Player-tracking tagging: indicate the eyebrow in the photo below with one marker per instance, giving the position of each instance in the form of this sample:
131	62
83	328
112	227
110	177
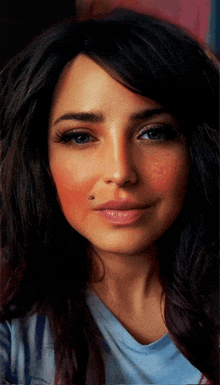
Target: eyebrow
81	116
97	117
148	113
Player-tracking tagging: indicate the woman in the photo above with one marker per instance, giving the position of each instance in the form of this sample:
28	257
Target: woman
109	196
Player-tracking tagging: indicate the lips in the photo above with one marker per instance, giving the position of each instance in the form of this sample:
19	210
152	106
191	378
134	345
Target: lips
123	217
121	211
120	204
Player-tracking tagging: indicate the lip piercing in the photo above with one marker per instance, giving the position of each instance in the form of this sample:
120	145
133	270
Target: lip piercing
91	197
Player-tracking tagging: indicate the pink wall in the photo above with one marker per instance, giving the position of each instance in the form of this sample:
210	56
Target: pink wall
191	14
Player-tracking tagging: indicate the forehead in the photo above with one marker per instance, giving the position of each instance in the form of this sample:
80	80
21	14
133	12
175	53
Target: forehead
85	86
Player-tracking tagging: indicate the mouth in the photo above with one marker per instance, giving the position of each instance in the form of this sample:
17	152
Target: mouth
122	211
122	217
121	204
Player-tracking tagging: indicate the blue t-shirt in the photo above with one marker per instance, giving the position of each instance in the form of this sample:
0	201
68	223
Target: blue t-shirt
129	362
27	353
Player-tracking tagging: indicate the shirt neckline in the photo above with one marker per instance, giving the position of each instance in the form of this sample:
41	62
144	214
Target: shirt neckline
103	316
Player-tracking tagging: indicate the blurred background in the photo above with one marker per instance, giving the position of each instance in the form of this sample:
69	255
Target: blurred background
21	21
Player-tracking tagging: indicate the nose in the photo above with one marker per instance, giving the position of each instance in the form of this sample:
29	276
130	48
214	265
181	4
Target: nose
119	167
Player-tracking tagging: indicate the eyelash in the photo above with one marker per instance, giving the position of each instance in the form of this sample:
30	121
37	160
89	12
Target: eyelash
69	137
168	134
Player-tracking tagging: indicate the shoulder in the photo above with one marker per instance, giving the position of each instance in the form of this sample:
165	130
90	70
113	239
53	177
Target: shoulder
26	350
32	330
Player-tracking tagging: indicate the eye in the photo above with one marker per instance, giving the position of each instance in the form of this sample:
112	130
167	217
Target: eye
74	137
81	138
159	133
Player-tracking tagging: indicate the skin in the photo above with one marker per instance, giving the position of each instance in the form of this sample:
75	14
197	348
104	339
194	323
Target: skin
117	162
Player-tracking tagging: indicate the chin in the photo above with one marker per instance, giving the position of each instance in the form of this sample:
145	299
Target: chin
129	245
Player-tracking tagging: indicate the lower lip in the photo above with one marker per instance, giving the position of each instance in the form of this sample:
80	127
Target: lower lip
122	217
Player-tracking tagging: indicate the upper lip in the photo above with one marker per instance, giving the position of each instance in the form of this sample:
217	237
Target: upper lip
120	204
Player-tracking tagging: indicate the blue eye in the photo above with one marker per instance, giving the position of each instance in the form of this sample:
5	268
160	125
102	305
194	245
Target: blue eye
159	133
79	138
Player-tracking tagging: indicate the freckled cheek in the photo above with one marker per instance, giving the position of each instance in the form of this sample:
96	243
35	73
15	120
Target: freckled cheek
169	177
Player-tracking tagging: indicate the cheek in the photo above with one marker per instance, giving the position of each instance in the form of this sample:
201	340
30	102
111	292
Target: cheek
169	174
73	189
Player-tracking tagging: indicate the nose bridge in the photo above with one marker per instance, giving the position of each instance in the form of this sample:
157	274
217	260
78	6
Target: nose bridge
119	166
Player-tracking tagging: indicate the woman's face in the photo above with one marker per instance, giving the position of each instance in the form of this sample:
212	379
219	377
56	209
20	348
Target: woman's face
117	159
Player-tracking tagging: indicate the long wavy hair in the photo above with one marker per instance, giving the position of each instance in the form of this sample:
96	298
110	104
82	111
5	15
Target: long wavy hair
44	263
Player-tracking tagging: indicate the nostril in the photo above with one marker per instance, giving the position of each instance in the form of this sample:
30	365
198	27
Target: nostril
121	180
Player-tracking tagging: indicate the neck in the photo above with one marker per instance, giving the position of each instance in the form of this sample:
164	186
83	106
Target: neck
127	278
130	287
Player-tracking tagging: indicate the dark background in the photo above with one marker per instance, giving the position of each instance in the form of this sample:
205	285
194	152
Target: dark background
21	21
